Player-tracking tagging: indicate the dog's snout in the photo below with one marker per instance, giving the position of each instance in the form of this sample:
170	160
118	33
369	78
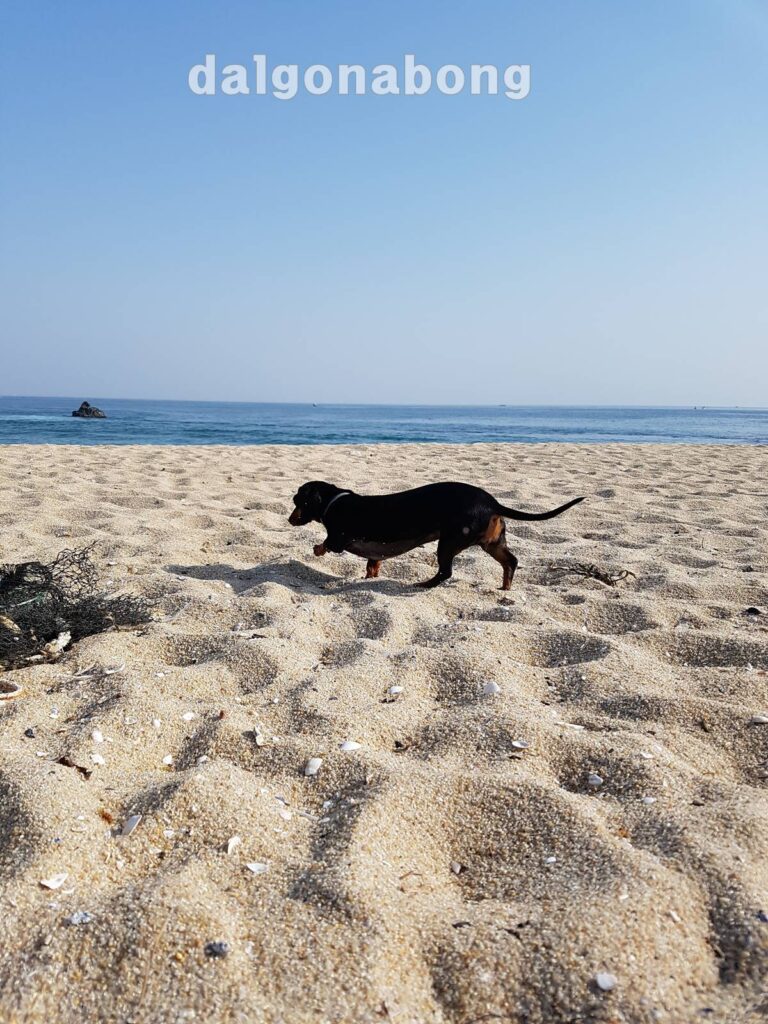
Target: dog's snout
295	517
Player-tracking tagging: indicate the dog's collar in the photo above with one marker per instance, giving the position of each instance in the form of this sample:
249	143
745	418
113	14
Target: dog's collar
334	498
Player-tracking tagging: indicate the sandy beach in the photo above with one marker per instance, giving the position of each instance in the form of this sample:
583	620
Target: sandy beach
601	820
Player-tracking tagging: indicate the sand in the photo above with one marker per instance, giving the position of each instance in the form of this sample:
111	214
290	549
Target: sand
442	872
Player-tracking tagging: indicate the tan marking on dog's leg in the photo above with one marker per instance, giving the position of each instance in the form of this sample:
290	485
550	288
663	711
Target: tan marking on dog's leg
505	558
372	569
494	531
319	549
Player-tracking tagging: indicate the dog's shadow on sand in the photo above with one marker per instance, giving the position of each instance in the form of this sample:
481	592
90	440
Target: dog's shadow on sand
292	574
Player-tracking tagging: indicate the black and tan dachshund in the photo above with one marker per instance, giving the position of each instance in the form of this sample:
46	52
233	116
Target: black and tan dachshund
376	527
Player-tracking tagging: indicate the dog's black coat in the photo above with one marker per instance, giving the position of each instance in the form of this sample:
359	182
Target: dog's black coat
376	527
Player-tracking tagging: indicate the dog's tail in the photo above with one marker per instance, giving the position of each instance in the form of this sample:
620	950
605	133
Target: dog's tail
513	513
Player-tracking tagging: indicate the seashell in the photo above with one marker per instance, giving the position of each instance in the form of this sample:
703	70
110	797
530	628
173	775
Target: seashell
312	766
156	722
595	780
395	690
759	720
286	815
57	646
349	745
647	799
520	744
9	624
260	741
490	689
550	860
97	759
456	867
130	824
257	867
188	716
605	981
233	843
168	759
8	690
114	669
97	737
646	756
79	917
55	881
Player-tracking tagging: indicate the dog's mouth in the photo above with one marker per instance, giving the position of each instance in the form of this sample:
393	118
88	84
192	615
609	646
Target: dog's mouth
295	517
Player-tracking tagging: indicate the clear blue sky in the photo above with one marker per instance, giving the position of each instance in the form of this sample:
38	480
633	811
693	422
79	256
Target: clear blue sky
603	241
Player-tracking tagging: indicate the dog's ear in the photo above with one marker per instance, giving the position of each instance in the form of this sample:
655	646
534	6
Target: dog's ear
312	497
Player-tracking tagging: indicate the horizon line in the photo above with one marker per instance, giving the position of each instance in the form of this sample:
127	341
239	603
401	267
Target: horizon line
398	405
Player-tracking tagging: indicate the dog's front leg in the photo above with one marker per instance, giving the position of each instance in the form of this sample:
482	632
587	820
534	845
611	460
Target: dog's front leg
334	543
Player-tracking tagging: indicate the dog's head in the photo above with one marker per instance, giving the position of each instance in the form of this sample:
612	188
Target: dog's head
311	501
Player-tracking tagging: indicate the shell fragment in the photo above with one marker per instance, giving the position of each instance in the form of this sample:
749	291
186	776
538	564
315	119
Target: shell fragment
605	981
55	881
130	824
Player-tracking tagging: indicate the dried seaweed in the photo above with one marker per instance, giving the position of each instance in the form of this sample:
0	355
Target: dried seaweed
593	572
44	607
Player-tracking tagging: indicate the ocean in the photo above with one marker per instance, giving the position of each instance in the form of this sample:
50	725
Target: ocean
49	421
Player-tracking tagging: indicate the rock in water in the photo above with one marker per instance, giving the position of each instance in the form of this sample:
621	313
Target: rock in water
89	412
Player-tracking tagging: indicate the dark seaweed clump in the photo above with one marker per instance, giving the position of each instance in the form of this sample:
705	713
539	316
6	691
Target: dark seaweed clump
40	602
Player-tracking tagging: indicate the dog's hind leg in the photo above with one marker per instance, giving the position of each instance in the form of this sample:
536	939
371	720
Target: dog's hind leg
372	568
499	550
494	541
448	547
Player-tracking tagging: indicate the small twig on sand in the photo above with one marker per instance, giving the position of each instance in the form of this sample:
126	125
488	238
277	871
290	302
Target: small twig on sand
593	572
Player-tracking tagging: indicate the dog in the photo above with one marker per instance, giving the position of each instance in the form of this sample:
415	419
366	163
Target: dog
376	527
